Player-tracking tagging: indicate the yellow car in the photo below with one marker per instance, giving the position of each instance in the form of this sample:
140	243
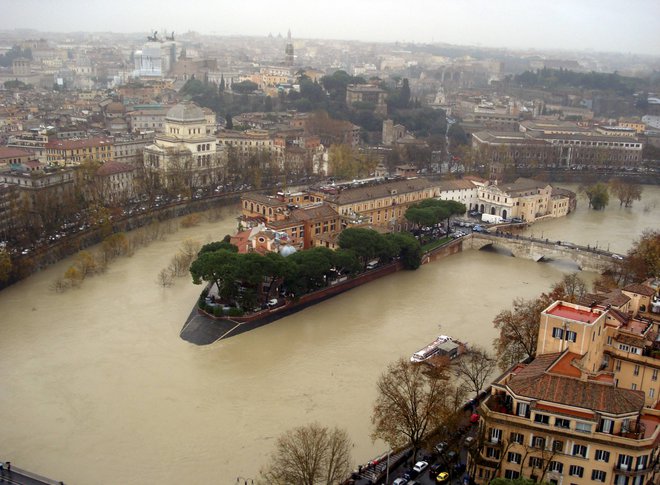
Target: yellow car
443	477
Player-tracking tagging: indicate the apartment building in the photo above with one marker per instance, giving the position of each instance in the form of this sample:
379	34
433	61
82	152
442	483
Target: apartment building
72	152
586	410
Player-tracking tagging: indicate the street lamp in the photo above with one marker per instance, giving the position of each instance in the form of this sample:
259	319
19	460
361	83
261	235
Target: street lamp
245	481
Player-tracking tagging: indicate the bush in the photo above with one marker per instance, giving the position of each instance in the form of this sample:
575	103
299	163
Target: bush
217	311
235	312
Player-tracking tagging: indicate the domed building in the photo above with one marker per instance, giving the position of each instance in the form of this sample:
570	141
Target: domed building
186	155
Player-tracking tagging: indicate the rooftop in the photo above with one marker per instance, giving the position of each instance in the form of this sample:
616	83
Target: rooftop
571	313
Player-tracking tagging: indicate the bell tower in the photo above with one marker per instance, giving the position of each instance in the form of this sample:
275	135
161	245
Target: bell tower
288	50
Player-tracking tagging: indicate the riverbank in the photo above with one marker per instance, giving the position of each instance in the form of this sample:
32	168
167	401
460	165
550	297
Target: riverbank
202	328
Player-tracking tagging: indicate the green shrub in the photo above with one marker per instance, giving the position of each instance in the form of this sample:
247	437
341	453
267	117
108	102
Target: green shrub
235	312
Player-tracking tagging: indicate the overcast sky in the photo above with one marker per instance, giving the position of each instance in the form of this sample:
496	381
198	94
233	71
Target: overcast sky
603	25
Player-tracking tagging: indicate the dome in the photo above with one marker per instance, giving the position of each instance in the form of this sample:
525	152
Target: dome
185	112
287	250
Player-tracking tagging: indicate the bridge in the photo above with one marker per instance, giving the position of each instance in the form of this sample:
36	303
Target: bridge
586	258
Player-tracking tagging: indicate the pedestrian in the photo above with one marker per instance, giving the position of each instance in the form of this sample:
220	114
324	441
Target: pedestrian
9	466
1	465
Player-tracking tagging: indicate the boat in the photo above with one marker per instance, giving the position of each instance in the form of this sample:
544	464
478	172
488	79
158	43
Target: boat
431	349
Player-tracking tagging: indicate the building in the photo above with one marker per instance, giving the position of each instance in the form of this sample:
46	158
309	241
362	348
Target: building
526	199
289	58
586	409
116	182
147	118
13	156
184	156
366	95
304	218
68	152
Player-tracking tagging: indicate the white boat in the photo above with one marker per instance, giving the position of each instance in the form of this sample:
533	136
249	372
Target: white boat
430	350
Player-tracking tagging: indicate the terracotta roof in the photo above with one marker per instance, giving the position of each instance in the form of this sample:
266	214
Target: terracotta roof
111	168
639	289
264	199
564	365
352	195
321	211
74	144
619	315
10	152
569	412
535	382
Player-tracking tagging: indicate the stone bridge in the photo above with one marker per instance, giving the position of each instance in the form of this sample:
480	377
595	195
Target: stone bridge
587	259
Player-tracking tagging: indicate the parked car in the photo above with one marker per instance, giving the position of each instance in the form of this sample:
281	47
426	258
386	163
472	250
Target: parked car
420	466
441	447
443	477
273	302
400	481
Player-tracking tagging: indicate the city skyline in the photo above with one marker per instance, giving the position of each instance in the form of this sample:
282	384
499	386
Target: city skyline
606	26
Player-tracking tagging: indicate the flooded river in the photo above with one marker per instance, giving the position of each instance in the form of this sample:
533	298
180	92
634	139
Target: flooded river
97	388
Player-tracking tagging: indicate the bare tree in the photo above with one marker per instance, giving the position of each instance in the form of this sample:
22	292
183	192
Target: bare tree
310	455
518	331
411	403
475	367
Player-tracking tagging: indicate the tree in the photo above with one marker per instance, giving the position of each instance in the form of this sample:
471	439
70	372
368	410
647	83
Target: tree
518	331
229	124
411	403
626	192
310	455
367	244
571	288
5	265
597	194
244	87
408	249
475	367
643	258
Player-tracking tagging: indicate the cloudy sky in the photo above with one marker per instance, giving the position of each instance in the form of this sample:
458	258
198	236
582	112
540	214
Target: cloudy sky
603	25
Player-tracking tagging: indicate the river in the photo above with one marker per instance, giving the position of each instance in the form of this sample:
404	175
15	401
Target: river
97	388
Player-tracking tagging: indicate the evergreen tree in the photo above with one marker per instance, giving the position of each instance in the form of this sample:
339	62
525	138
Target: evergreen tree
222	86
229	124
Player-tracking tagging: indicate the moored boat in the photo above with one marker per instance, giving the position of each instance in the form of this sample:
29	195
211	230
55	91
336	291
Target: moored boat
431	349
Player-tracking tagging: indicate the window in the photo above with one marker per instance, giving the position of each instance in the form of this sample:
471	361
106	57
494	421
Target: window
641	462
617	366
571	336
633	387
535	462
602	455
556	466
558	333
579	450
624	462
606	426
513	457
541	418
492	453
558	446
583	427
495	435
654	376
636	370
523	409
576	471
598	475
651	392
517	438
562	423
538	442
511	474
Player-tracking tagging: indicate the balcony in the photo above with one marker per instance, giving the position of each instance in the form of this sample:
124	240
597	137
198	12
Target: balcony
497	403
631	471
635	430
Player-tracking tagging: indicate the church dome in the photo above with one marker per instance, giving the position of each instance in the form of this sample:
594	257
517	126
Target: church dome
185	112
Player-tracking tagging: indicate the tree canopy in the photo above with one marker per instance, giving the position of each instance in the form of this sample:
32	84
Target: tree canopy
310	455
411	403
431	212
598	195
626	192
